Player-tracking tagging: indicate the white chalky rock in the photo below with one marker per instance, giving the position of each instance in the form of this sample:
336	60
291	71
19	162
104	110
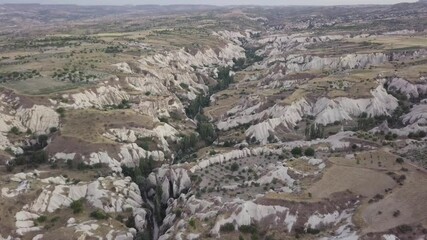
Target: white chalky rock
405	87
64	156
161	132
129	155
38	118
123	67
418	114
234	154
99	97
247	213
171	180
110	194
25	222
280	173
328	111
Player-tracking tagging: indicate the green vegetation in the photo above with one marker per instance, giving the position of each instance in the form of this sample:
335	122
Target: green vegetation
196	105
144	168
77	206
234	167
73	75
17	76
206	130
192	223
417	135
61	112
296	151
188	143
14	130
309	152
252	229
144	142
98	214
41	219
113	49
228	227
314	131
224	79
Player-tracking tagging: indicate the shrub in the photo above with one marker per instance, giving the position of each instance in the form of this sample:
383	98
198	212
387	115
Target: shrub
396	213
228	227
254	237
15	130
296	151
130	222
42	219
61	112
77	206
54	219
248	229
399	160
192	223
39	157
53	129
313	231
178	213
98	214
309	152
234	167
184	86
42	140
404	228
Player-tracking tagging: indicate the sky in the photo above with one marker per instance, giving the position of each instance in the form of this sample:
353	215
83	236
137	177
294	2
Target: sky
210	2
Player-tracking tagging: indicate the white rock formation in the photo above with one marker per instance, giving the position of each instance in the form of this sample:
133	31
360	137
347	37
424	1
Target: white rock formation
418	114
328	111
129	155
234	154
247	212
162	132
173	181
409	89
99	97
38	118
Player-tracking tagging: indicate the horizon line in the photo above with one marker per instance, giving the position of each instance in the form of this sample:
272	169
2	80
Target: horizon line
206	5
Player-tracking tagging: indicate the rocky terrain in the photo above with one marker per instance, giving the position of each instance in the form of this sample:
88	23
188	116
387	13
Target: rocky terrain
199	122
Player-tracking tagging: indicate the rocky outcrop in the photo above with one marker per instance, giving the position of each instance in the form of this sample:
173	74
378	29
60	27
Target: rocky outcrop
173	181
129	155
110	194
234	154
162	132
247	212
299	63
418	115
328	111
160	107
99	97
411	90
39	119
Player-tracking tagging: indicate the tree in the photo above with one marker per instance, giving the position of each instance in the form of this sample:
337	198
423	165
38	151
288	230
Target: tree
42	140
15	130
207	132
234	167
309	152
296	151
314	131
